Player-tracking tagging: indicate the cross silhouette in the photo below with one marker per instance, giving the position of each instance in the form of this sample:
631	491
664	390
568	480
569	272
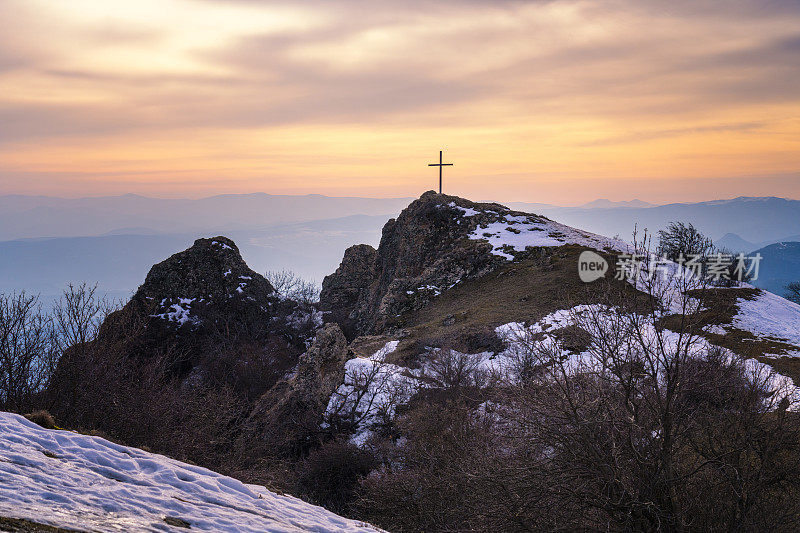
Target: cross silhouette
440	165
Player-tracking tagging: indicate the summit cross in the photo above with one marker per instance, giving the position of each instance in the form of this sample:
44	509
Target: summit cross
440	165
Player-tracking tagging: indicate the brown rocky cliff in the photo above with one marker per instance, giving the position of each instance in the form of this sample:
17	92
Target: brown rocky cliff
423	252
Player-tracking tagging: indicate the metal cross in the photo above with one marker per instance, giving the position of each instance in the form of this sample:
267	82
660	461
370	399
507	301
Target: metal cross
440	165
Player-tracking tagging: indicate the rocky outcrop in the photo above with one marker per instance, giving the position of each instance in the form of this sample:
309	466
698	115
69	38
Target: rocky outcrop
342	289
211	274
288	416
208	306
321	369
425	251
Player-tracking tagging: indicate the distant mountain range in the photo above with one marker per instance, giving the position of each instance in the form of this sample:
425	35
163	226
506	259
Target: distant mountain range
119	262
753	219
604	203
780	265
47	242
42	216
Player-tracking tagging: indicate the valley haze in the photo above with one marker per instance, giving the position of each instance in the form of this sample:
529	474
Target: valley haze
113	240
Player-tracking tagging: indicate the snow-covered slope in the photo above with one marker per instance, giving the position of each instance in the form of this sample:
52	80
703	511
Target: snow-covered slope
770	317
87	483
515	232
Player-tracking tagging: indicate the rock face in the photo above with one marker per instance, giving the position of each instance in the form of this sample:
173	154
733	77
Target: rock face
321	369
288	416
425	251
208	305
209	274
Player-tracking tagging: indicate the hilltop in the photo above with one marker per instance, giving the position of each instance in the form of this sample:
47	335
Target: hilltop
449	268
434	342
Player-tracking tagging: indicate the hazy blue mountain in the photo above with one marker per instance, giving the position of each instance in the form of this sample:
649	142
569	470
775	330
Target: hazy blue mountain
39	216
780	265
119	263
114	240
756	220
604	203
734	243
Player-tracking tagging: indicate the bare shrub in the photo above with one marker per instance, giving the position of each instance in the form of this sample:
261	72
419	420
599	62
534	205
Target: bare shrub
78	315
368	397
292	287
331	474
450	369
682	240
652	429
27	351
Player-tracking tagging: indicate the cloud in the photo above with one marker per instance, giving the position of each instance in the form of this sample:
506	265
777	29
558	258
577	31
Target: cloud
562	74
372	62
749	127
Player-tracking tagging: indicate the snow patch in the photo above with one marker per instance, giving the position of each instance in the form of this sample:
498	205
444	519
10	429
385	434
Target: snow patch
518	232
371	390
179	312
769	315
468	211
221	245
88	483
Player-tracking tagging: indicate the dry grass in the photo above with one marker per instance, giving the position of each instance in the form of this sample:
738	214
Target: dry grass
719	307
527	290
523	291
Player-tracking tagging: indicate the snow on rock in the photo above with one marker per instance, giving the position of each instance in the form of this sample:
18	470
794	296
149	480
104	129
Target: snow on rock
770	316
179	312
87	483
518	232
468	211
221	245
372	389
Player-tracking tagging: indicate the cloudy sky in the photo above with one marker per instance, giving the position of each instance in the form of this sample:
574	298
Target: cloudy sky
558	101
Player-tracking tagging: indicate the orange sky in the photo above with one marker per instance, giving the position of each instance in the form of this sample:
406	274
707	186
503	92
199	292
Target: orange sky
543	101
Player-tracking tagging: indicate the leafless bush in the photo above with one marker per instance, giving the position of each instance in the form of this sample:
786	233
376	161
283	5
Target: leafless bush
78	315
640	429
681	239
291	286
450	369
368	398
27	350
793	292
330	475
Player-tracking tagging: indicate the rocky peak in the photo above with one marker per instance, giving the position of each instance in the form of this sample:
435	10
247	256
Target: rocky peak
435	243
210	272
208	305
427	249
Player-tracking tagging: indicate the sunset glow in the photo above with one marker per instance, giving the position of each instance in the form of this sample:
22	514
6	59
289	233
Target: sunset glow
561	101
